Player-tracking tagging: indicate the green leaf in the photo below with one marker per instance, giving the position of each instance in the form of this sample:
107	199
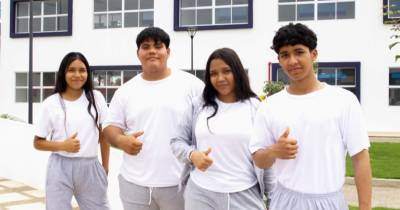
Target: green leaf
397	57
393	44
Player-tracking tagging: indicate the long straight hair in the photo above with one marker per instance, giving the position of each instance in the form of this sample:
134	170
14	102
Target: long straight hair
242	85
61	83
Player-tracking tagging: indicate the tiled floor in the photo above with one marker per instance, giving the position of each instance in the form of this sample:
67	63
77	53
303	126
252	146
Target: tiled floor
17	196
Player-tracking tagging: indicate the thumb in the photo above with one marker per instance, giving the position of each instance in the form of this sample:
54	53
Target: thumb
137	134
74	135
285	134
207	151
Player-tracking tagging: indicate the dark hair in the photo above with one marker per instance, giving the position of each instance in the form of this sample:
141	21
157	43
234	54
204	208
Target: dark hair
61	83
242	84
293	34
154	33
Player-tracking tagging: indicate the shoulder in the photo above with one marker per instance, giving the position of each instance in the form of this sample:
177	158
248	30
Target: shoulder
186	76
341	93
51	100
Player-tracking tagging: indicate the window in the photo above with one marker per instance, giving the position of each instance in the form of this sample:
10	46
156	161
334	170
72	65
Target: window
299	10
123	13
107	79
198	73
391	11
213	14
42	86
345	75
394	86
50	18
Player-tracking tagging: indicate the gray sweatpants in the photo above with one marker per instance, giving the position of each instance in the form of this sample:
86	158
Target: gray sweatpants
197	198
83	178
136	197
284	198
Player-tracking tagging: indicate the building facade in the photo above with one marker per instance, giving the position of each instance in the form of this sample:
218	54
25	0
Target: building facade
353	40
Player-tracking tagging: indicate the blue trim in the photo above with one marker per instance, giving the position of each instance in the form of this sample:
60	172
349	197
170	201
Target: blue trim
177	27
355	65
386	19
116	67
40	34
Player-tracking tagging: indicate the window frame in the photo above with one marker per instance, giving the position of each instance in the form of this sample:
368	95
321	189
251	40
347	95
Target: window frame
386	18
14	34
41	87
178	27
355	65
392	86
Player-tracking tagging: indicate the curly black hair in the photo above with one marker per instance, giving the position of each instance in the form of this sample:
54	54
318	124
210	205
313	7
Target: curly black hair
293	34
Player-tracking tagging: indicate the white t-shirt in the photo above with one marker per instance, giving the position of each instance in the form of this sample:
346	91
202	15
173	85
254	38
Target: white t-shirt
154	107
232	169
53	124
326	124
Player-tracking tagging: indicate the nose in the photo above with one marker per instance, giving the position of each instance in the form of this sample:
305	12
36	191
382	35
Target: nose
292	59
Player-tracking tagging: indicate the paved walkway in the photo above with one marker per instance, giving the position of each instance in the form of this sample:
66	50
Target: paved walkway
17	196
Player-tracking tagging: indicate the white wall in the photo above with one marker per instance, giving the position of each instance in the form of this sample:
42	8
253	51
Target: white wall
21	162
364	39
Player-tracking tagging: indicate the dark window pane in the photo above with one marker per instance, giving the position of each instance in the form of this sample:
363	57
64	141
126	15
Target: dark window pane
21	79
188	3
287	13
222	15
394	8
36	95
99	78
222	2
114	5
129	75
47	92
131	19
146	19
62	6
394	77
22	9
346	76
103	91
114	20
36	79
131	4
49	78
234	2
282	76
50	7
239	15
100	21
110	94
201	74
201	3
62	23
146	4
305	12
287	0
22	25
49	24
37	8
37	27
345	10
326	11
188	17
351	89
394	96
100	5
204	16
21	95
113	78
327	75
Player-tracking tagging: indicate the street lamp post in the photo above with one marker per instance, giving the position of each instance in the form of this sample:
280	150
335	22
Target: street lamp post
30	74
191	31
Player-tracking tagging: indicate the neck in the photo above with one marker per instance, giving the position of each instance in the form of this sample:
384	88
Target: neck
71	94
304	86
154	75
227	99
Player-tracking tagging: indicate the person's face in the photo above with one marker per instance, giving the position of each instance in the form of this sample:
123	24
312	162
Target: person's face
153	55
76	75
222	79
297	61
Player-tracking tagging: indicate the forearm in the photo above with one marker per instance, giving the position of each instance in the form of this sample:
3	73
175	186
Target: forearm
264	158
105	153
181	149
363	179
44	145
113	135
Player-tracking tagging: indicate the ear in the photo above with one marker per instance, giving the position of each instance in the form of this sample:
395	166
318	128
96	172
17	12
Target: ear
314	54
168	51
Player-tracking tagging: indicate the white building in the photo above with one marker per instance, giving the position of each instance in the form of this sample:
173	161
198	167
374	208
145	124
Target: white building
353	44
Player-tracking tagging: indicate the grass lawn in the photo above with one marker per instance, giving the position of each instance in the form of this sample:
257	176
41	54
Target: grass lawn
377	208
385	161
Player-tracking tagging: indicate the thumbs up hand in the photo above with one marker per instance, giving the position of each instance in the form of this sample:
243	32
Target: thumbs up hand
285	147
72	144
201	159
131	143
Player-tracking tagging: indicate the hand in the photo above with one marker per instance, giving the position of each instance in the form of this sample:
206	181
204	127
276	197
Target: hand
71	144
201	160
285	148
131	144
105	170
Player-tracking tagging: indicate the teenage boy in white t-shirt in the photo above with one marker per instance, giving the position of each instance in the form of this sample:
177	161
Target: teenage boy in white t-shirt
143	117
305	131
